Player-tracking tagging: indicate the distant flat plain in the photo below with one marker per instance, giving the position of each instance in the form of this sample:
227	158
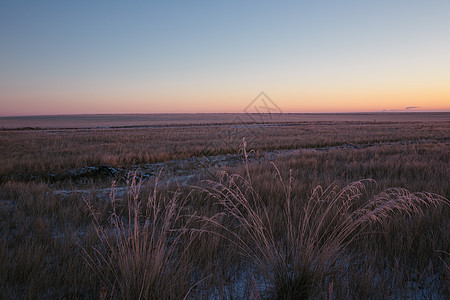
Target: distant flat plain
129	120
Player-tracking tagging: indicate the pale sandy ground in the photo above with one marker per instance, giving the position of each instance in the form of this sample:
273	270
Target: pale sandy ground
95	121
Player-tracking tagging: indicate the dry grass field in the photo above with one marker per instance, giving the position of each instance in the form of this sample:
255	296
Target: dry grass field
148	120
178	207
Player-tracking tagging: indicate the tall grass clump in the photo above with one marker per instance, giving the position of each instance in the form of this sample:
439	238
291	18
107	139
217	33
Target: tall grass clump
139	254
306	243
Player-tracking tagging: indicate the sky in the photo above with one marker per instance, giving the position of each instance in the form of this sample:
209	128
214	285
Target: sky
89	57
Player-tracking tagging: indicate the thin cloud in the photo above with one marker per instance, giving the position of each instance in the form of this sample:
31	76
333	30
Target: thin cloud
399	110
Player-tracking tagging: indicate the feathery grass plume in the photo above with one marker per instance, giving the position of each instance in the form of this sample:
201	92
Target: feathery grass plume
316	233
140	255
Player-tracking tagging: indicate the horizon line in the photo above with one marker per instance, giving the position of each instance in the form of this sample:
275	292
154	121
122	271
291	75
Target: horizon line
218	113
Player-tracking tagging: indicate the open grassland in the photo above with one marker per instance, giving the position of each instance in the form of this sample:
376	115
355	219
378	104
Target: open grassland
295	219
148	120
37	153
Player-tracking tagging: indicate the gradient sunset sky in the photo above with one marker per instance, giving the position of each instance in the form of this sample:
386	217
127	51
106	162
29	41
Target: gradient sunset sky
71	57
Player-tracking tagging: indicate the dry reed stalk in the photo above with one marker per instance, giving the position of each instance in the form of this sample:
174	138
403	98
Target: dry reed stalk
139	255
316	233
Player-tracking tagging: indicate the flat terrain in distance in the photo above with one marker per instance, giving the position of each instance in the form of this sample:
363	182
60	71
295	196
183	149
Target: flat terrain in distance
39	147
93	121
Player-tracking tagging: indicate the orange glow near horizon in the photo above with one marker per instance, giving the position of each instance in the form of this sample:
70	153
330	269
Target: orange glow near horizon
291	93
301	102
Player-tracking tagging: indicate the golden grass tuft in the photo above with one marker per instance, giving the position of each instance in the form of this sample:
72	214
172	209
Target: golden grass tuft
139	254
316	235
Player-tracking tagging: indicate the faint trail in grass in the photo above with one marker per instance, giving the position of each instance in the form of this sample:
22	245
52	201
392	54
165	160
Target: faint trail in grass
185	172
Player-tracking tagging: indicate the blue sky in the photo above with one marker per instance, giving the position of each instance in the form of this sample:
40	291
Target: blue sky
59	57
